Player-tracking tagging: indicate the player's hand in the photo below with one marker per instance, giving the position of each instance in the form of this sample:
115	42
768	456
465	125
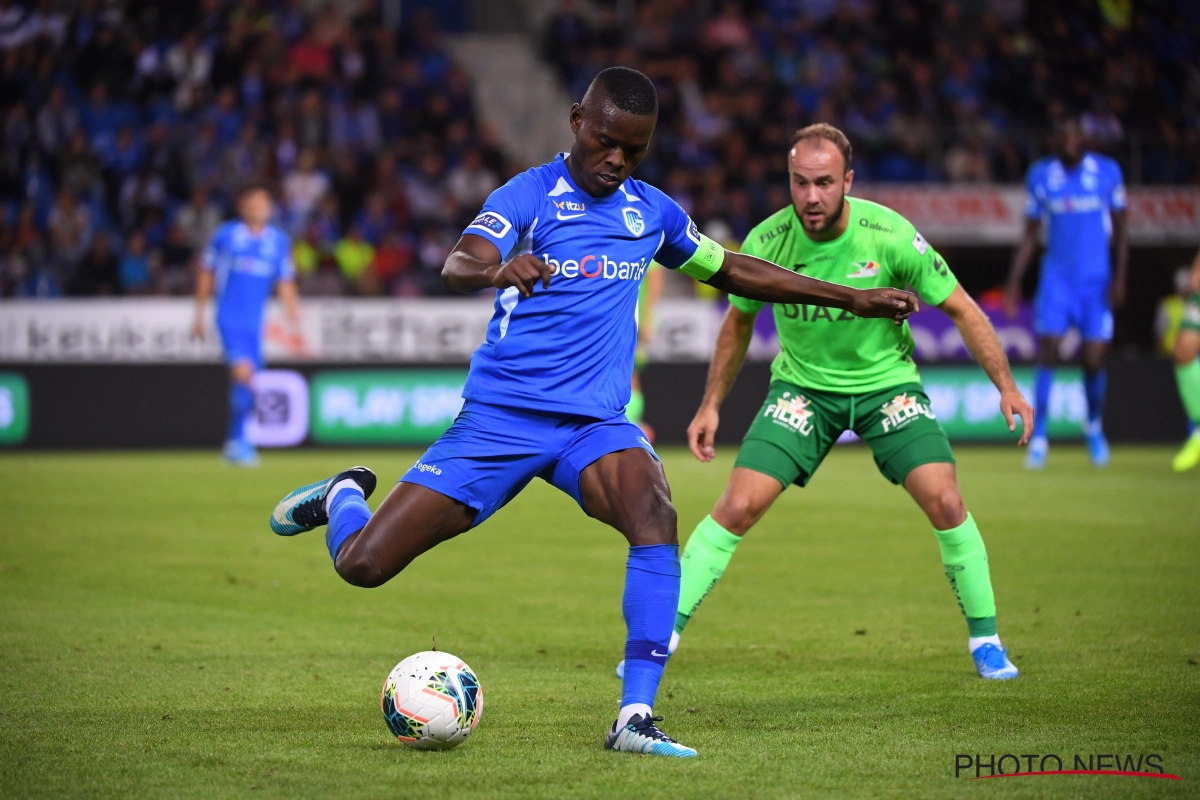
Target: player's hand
1013	404
1012	302
523	272
702	433
894	303
1116	295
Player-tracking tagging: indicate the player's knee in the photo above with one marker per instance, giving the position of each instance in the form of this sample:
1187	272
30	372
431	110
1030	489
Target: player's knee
658	524
737	513
358	570
946	510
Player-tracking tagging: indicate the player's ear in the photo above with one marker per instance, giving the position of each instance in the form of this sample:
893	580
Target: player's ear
848	180
576	118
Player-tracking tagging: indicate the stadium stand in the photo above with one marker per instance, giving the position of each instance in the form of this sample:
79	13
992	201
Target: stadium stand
127	126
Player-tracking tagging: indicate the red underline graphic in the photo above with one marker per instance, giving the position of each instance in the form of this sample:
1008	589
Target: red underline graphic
1079	772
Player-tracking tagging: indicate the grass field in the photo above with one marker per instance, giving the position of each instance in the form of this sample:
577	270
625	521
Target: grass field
157	640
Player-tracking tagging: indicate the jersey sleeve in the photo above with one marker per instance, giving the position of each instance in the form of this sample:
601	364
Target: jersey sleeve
1116	197
680	236
214	249
920	266
285	268
507	214
1034	195
742	304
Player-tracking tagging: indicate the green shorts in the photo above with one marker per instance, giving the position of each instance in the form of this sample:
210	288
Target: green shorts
1191	314
796	427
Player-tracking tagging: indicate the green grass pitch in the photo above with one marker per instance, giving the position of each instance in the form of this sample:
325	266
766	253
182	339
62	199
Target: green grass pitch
157	640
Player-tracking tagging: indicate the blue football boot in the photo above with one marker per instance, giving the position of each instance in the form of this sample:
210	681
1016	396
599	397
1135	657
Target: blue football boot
240	453
304	509
641	735
1097	447
1035	455
992	662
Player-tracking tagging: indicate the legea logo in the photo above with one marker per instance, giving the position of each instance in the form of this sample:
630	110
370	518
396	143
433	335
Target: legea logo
596	267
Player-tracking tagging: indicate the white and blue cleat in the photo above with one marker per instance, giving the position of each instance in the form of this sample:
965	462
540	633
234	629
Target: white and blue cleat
1097	447
621	669
1035	455
240	453
642	735
992	662
304	509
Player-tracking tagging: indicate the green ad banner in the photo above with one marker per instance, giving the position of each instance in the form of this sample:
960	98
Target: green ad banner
387	406
14	408
968	405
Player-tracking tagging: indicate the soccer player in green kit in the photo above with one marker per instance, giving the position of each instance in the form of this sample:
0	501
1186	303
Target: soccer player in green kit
837	373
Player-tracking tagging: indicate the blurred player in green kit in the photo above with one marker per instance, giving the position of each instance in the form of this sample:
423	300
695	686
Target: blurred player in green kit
836	373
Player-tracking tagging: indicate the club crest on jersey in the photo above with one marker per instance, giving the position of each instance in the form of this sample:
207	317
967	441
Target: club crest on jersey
901	409
792	412
864	269
633	220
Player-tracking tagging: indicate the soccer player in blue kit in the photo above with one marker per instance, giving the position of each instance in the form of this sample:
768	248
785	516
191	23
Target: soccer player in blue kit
245	260
566	245
1081	197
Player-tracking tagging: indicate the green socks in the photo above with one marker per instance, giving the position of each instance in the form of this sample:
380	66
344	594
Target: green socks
636	406
704	561
1188	378
966	563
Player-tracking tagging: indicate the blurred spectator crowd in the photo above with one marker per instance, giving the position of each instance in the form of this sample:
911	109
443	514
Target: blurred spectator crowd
957	90
128	126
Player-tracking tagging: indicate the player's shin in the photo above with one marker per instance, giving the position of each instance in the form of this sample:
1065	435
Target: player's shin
651	596
348	514
1187	377
1095	385
1041	416
241	403
965	560
705	558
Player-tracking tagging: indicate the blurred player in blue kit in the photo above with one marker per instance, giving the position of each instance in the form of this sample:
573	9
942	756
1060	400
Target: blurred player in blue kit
566	245
1080	198
246	260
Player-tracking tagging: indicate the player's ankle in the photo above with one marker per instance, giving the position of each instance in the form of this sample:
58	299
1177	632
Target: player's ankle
975	642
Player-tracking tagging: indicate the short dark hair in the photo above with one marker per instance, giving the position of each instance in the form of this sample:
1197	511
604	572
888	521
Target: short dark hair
254	185
628	90
825	131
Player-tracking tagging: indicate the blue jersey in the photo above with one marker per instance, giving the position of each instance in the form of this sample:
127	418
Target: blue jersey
1075	207
569	348
246	268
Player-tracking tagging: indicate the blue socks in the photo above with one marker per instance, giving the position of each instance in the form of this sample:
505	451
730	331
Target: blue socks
1041	402
241	403
348	514
651	599
1094	386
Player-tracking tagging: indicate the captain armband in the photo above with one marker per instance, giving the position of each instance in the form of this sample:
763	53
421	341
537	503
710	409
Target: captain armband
706	261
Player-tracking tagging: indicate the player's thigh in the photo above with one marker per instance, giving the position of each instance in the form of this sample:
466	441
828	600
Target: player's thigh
902	431
792	433
628	490
747	497
1094	316
934	487
243	347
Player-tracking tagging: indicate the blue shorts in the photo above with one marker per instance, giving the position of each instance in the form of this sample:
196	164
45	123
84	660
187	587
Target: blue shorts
1059	306
241	344
491	453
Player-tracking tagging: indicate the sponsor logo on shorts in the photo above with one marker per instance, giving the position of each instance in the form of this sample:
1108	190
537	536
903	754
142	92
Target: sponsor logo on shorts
421	467
791	412
864	269
901	410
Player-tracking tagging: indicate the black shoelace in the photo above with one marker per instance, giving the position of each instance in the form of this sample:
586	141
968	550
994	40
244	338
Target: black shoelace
647	726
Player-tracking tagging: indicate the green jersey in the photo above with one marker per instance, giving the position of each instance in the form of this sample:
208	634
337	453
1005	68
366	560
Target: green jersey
832	350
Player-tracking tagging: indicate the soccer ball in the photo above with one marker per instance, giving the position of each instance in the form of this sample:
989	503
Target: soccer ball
432	701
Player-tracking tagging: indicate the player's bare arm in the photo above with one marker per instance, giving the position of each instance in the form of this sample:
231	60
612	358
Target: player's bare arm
980	338
1020	265
475	264
204	289
730	352
1120	256
756	279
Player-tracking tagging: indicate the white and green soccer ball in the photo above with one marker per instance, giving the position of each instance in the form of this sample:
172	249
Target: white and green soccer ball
432	701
